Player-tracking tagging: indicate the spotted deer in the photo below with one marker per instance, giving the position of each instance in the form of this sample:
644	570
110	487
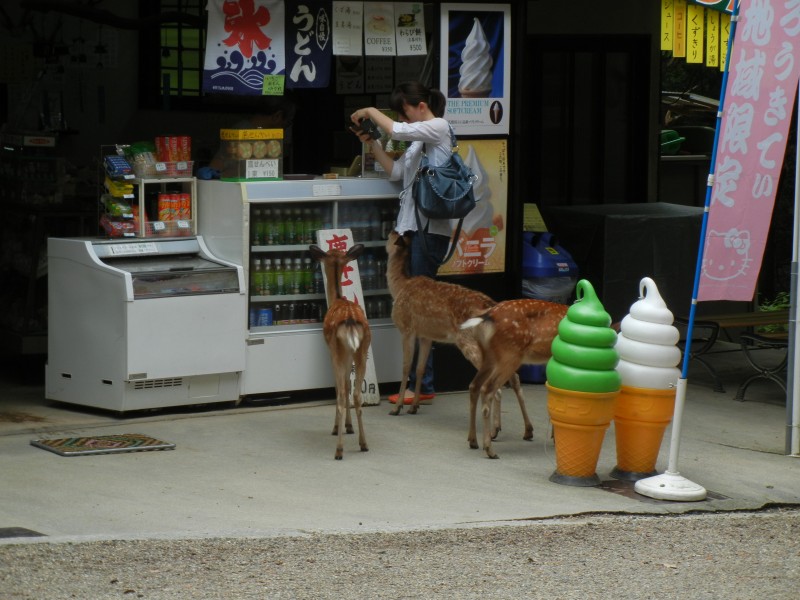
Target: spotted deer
509	334
348	336
427	311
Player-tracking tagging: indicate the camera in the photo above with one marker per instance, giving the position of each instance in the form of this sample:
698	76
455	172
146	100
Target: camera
368	127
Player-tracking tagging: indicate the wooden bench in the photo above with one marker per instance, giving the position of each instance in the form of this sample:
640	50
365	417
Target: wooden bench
710	327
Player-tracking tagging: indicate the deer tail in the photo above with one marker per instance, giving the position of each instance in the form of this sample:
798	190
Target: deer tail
473	322
351	333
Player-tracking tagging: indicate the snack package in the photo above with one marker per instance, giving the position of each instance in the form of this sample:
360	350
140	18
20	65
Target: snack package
118	189
116	207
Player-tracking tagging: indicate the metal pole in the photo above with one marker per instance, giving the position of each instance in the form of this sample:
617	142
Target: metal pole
793	375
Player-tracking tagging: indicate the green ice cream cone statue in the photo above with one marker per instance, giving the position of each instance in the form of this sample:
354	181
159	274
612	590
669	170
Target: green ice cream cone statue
582	386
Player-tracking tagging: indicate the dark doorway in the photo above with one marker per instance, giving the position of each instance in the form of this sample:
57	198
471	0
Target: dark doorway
585	128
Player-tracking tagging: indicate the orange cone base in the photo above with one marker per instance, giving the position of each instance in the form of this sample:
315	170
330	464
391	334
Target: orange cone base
640	419
580	421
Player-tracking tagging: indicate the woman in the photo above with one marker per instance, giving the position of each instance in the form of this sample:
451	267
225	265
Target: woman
420	110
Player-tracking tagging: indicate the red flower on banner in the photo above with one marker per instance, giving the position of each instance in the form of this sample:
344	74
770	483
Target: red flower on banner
244	22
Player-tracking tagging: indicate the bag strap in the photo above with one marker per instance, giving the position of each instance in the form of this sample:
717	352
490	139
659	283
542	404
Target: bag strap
421	231
453	142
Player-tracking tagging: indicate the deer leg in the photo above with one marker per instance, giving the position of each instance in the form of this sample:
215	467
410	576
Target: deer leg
408	353
348	421
341	403
474	391
422	358
496	414
361	368
487	392
515	385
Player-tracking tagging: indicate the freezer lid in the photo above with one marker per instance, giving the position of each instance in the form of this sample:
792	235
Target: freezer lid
161	268
164	264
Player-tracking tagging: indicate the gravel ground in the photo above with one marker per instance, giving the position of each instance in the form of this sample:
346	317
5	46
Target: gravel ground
698	556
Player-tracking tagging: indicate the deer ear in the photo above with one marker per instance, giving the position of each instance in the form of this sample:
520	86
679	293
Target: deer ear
316	252
355	251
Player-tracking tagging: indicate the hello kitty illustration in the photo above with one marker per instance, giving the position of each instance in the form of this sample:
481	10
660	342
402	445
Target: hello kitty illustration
727	254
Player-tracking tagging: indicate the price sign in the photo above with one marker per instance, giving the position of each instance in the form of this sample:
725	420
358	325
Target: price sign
262	169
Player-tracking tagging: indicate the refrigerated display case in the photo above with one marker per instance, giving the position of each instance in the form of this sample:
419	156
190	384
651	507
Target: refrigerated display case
142	324
290	354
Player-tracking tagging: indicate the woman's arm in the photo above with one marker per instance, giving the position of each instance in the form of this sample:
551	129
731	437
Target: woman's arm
386	161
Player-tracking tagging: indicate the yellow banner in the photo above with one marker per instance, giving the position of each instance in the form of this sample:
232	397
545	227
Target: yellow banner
712	38
667	17
695	31
725	31
679	29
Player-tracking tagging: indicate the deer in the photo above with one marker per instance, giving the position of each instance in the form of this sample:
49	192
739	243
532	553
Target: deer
427	310
348	336
509	334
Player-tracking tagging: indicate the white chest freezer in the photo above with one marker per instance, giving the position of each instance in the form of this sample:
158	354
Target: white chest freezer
141	324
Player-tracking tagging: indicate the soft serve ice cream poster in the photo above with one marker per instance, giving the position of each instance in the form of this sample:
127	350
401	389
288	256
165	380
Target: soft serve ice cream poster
481	245
475	74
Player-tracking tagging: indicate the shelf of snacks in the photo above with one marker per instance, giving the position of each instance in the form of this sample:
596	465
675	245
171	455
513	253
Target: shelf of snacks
145	193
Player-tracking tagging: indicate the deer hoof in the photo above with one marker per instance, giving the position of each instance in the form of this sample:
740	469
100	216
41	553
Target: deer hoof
395	412
349	429
412	410
338	455
528	435
335	431
495	433
473	444
490	453
364	449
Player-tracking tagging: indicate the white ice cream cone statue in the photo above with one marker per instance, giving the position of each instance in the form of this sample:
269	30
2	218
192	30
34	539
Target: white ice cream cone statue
647	367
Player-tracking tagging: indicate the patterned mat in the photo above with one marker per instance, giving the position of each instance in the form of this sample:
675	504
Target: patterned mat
102	444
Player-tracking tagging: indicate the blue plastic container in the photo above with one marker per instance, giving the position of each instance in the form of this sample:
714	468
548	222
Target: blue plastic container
548	273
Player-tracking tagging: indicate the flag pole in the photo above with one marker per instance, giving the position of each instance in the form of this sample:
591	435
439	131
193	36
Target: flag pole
793	383
671	485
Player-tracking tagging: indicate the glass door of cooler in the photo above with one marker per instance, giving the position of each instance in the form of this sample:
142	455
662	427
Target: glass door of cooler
176	275
286	286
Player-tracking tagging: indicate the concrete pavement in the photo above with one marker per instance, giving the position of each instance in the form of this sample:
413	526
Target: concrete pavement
264	470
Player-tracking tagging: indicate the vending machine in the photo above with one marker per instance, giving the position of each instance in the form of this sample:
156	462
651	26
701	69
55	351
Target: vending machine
141	324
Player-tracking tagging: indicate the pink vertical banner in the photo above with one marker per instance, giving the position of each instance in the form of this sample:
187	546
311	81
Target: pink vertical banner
762	82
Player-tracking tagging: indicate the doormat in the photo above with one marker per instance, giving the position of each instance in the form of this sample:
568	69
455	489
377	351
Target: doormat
102	444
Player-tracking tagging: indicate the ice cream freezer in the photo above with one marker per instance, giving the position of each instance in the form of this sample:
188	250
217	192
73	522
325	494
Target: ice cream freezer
142	324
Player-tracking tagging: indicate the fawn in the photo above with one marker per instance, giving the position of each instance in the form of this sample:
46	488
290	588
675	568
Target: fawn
510	334
348	336
428	310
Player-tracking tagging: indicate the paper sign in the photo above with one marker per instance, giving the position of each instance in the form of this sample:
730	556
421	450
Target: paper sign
410	29
379	29
273	85
348	28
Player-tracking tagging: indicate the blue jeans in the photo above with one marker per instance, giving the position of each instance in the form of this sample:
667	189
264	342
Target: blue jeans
428	265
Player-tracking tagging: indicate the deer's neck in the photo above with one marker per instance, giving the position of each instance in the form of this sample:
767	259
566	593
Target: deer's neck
396	276
334	279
